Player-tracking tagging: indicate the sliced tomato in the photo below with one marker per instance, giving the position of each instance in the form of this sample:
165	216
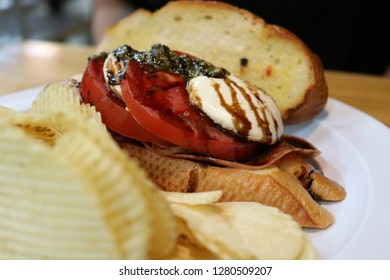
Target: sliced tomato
113	111
163	108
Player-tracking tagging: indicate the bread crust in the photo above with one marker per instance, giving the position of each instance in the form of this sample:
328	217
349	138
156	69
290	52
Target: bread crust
270	186
276	59
314	99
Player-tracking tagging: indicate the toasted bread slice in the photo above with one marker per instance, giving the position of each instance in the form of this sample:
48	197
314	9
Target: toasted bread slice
270	186
266	55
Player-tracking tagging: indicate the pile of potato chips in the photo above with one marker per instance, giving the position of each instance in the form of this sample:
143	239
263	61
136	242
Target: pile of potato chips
67	191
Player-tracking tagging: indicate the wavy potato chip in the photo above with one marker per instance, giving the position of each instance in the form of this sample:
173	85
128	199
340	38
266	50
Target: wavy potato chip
5	111
63	97
193	198
163	225
137	219
123	206
36	126
122	185
187	247
41	122
308	252
46	209
243	230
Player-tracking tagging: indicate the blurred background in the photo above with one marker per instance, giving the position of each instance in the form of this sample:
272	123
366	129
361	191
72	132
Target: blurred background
46	20
348	35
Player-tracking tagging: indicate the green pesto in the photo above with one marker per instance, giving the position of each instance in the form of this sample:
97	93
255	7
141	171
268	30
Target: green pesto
162	58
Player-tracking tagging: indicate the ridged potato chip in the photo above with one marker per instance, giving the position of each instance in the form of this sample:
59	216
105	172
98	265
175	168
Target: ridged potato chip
163	225
308	252
46	209
122	185
6	111
41	122
243	230
187	247
63	97
38	127
193	198
138	220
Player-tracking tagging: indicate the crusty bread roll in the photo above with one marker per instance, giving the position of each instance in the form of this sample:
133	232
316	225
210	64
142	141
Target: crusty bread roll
270	186
266	55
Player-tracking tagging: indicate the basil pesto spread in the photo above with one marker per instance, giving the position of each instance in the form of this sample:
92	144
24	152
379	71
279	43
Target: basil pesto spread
162	58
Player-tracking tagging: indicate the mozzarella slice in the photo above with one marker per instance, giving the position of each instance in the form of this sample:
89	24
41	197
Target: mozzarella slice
237	106
113	71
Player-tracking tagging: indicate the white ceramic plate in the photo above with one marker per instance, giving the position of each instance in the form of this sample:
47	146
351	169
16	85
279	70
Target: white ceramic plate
354	148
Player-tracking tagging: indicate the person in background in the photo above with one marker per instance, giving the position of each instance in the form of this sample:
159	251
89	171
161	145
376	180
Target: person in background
347	35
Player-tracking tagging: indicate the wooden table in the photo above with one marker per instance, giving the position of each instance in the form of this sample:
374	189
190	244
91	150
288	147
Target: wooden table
33	63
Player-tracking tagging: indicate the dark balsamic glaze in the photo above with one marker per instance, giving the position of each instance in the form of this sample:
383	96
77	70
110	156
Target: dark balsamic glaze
241	122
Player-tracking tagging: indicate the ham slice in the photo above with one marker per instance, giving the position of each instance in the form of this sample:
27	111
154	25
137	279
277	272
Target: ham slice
264	181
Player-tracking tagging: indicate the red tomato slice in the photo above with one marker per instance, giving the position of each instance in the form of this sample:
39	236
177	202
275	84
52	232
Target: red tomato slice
113	111
164	110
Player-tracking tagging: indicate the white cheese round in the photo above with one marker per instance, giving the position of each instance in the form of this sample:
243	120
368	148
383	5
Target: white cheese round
237	106
113	70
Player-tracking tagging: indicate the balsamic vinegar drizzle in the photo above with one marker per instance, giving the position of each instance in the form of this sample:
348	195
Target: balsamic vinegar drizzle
241	122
